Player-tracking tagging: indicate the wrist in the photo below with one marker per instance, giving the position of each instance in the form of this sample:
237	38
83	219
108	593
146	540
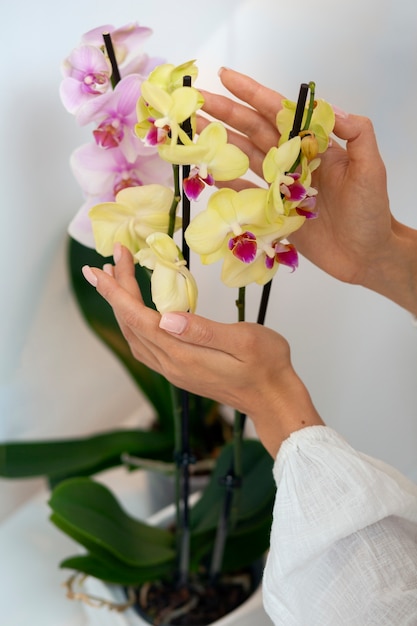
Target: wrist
288	409
394	273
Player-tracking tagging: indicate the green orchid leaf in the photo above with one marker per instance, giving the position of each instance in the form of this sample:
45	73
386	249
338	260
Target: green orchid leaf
256	492
248	537
90	513
101	563
99	316
60	459
113	571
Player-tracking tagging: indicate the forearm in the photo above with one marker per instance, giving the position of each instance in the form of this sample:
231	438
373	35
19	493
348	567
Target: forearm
394	273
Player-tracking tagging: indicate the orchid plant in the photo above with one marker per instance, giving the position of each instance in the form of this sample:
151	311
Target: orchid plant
141	177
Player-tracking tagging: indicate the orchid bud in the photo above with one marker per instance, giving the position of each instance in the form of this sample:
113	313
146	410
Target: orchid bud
309	144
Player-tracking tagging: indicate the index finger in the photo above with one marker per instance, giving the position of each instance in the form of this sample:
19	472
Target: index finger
248	90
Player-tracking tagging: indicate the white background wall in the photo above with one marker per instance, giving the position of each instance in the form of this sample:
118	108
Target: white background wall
356	351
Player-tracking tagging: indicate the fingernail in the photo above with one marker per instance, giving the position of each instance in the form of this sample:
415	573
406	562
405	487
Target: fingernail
340	113
89	275
173	323
108	269
117	252
220	71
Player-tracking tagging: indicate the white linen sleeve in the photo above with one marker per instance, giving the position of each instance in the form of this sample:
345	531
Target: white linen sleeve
343	547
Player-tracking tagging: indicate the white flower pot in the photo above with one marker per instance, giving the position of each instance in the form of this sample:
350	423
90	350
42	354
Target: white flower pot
250	613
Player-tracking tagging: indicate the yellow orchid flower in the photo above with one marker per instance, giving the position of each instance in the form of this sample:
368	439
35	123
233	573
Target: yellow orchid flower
276	165
228	214
172	284
169	77
156	108
271	252
233	228
136	213
213	158
321	125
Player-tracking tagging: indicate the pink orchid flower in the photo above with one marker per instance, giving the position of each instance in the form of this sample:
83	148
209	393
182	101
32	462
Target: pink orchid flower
127	43
86	75
115	116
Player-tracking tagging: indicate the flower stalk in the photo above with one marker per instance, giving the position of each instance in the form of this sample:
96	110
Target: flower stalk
115	76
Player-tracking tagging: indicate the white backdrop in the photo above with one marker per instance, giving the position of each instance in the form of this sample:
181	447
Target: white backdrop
355	350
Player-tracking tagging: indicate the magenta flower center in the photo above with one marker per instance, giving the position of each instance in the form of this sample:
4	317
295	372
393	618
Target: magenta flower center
95	82
109	134
124	182
244	246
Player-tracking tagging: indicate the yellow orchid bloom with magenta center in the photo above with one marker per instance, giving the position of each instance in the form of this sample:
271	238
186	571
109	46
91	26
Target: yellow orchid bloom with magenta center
212	157
321	124
271	252
160	110
136	213
228	214
172	284
277	166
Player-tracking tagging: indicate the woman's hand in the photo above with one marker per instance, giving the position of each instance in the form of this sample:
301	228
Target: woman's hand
243	365
355	237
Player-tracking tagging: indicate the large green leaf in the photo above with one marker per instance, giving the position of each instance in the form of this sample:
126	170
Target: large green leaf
81	456
89	512
99	316
113	571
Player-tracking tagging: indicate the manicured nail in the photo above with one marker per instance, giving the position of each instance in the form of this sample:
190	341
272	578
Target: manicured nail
340	113
117	252
108	269
221	69
173	323
89	275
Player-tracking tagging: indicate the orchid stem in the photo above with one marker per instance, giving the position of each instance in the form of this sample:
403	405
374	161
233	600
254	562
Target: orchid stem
233	479
115	76
312	87
266	291
184	458
299	111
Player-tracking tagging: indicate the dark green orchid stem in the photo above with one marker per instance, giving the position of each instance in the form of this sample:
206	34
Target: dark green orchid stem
299	110
312	87
298	117
232	480
184	456
264	302
175	200
115	76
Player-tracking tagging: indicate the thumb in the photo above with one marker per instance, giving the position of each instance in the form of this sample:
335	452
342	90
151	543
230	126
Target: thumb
199	331
359	134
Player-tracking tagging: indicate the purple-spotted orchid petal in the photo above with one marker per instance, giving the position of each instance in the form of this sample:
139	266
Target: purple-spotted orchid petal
173	286
321	124
194	185
86	76
269	254
136	213
305	205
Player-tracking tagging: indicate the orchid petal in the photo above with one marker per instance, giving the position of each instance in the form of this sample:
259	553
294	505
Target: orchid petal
137	212
173	286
